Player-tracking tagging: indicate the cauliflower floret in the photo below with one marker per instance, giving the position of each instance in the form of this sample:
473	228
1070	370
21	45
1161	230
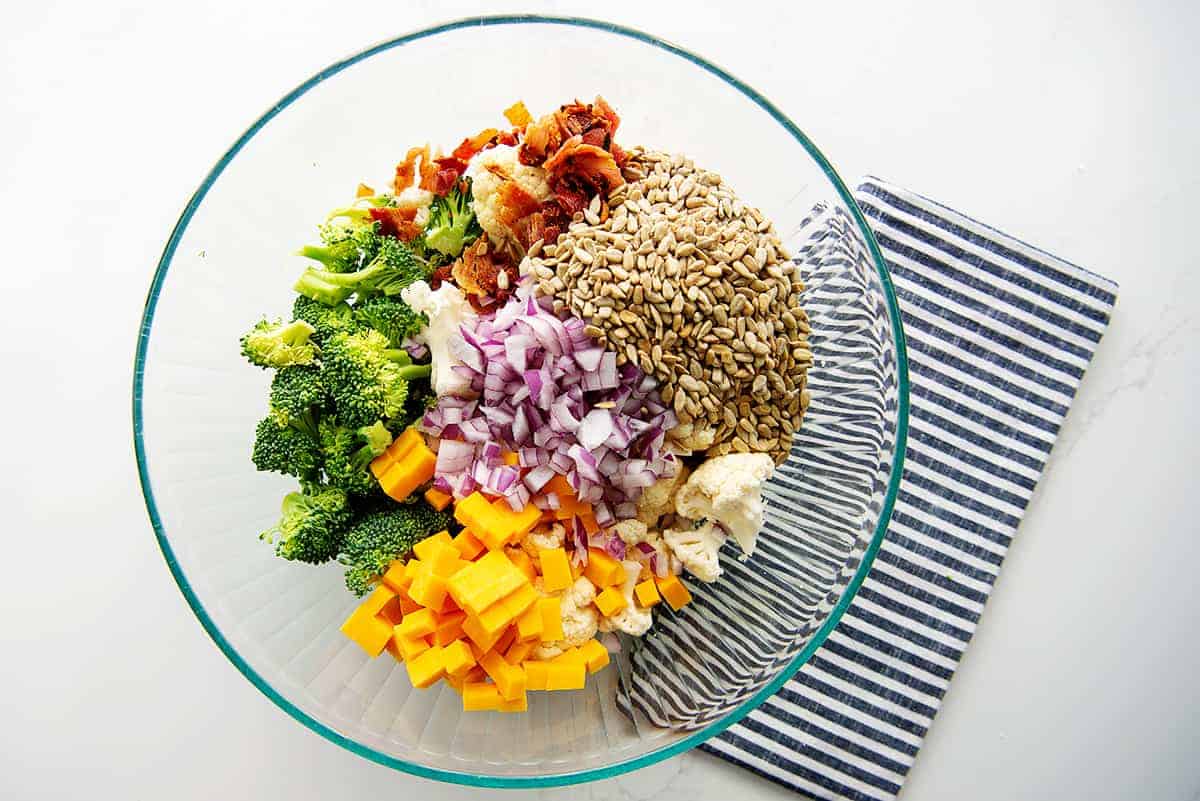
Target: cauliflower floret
543	538
488	171
422	199
634	532
579	619
689	437
728	489
633	619
658	499
696	549
447	309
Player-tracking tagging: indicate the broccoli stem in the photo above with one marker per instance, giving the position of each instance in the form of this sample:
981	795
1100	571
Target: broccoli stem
414	371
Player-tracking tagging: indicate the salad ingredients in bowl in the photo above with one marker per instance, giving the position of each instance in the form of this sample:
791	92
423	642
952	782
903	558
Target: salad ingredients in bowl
525	389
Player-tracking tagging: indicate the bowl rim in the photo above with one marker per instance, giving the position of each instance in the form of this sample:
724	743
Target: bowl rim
570	777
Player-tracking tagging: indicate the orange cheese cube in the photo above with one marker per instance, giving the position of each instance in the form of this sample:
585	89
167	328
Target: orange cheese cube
610	602
405	476
428	588
518	704
673	591
393	649
507	638
519	651
475	674
397	576
529	624
590	526
511	459
551	610
410	571
457	658
447	561
565	675
508	608
646	593
426	668
481	639
454	682
535	674
402	445
367	630
426	548
437	499
409	647
571	656
407	604
522	562
479	696
493	539
482	583
418	624
510	679
515	525
468	544
379	597
474	512
381	464
556	570
449	628
594	654
602	569
392	611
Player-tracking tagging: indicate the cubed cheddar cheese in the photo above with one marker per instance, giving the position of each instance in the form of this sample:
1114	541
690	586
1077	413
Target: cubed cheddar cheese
509	608
602	570
480	584
409	647
418	624
519	651
673	591
378	598
511	459
556	570
515	525
522	562
468	545
392	611
437	499
449	628
551	610
407	604
397	576
426	548
510	679
370	632
507	638
529	624
447	561
565	675
403	445
474	512
571	656
428	588
594	654
457	658
481	640
401	478
518	704
647	593
590	526
480	696
610	602
535	674
426	668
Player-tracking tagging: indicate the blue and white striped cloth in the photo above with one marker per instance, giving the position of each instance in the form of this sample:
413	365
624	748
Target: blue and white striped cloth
999	335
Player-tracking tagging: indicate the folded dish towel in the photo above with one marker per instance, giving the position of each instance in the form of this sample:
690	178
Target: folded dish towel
999	335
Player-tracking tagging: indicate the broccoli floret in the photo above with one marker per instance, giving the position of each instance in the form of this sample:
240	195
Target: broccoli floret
326	320
384	534
289	447
393	267
347	453
312	526
279	344
367	379
452	224
391	317
348	244
295	391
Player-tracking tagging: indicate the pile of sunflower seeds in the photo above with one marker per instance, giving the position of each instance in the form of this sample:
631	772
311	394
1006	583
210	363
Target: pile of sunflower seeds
678	276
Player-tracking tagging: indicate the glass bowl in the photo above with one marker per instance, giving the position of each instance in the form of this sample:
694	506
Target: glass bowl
195	403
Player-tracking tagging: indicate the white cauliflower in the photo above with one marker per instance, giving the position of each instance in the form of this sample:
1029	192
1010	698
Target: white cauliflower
634	532
728	490
696	549
543	538
488	171
447	309
633	619
422	199
658	499
579	619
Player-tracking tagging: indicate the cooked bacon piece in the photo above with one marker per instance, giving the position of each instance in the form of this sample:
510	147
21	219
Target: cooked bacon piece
477	273
445	173
406	170
397	221
517	114
544	137
546	224
579	165
513	203
473	144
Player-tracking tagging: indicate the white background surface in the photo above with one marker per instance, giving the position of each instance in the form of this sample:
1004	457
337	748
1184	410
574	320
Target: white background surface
1072	125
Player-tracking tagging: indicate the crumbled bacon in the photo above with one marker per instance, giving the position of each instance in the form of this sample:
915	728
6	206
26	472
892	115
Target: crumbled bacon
546	224
580	167
477	273
406	170
513	203
445	173
397	221
544	137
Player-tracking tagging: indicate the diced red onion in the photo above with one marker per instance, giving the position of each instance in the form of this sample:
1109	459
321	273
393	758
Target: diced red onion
615	547
536	478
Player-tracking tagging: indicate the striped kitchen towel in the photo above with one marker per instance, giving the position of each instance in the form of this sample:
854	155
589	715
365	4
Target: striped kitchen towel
999	335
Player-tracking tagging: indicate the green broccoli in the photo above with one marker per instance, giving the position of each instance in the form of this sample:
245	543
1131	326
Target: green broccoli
279	344
312	526
393	267
384	534
295	391
326	320
346	453
290	447
349	244
452	224
391	317
367	379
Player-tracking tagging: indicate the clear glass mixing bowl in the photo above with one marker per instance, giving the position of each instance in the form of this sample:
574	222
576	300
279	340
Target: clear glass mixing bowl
195	403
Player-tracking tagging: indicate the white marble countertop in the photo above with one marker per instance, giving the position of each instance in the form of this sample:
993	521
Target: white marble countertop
1072	126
